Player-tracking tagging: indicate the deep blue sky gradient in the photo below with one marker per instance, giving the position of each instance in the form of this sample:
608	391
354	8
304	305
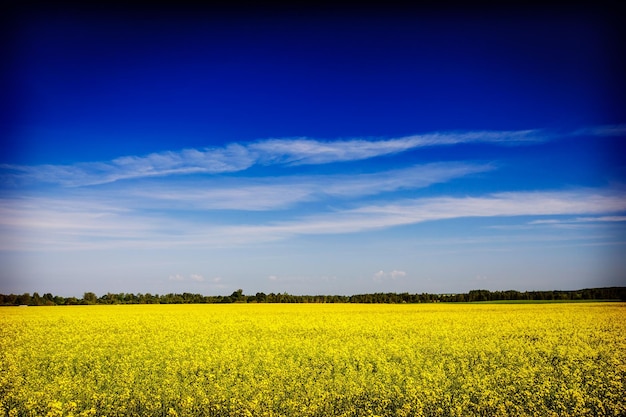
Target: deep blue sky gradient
86	85
84	78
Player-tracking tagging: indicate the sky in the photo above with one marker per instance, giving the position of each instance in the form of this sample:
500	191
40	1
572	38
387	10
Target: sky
311	151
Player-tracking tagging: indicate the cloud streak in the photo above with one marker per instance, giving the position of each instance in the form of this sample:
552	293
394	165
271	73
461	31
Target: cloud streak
307	151
578	220
282	192
198	211
237	157
130	214
375	217
43	225
231	158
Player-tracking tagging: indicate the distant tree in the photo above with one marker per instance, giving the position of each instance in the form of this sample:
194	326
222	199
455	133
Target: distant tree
71	301
479	295
130	298
109	298
36	300
90	298
23	299
237	296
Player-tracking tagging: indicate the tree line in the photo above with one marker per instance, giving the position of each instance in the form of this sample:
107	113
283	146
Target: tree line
90	298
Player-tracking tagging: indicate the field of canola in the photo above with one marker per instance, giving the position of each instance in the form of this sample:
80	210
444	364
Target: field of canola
314	360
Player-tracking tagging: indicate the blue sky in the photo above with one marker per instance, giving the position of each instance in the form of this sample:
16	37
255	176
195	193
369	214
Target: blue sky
421	150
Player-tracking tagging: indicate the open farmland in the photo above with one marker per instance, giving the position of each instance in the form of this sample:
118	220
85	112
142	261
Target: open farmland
314	360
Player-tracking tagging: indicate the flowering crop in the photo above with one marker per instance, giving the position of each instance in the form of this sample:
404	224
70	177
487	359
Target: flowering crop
314	360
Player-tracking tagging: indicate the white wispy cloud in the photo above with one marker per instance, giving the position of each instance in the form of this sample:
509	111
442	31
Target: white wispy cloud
176	277
231	158
601	219
33	223
196	277
120	210
407	178
238	157
192	277
43	224
307	151
133	214
281	192
414	211
381	275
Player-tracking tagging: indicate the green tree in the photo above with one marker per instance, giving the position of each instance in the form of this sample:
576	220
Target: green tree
71	301
237	296
23	299
90	298
36	300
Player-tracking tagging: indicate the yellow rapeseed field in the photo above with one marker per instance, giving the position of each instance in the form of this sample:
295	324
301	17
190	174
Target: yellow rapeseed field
314	360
